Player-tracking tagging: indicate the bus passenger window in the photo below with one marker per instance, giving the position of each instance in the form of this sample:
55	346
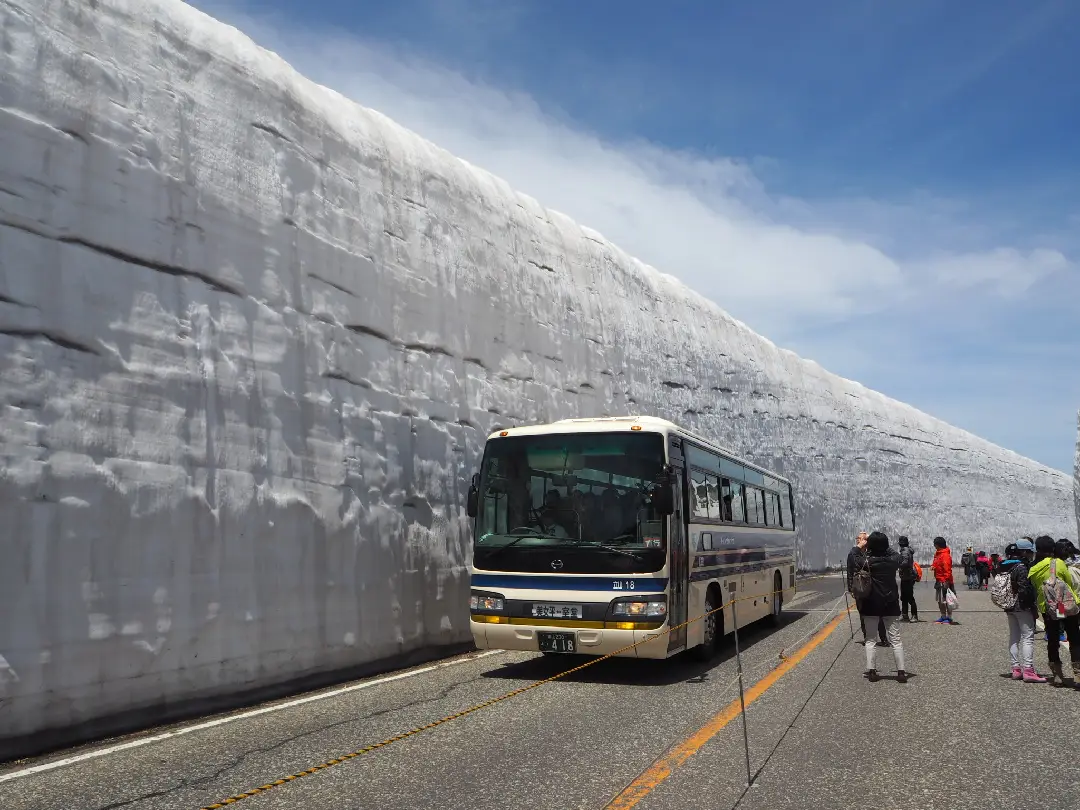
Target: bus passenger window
725	499
738	514
700	495
714	497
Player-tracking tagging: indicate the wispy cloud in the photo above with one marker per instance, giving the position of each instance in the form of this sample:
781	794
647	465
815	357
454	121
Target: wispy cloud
792	268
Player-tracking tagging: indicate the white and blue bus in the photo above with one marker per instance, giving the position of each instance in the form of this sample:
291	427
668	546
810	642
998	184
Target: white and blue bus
594	534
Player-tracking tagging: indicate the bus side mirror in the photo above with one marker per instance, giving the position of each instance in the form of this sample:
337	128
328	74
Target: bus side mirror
472	505
663	499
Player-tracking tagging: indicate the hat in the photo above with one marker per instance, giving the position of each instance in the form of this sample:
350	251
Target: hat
1024	545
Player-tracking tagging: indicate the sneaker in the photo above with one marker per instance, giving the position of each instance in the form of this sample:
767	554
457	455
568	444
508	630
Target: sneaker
872	676
1031	676
941	620
1017	673
901	676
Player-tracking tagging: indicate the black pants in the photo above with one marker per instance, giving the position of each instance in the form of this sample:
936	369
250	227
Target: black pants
1054	626
907	598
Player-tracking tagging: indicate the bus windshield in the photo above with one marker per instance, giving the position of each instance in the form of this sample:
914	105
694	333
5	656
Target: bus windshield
584	498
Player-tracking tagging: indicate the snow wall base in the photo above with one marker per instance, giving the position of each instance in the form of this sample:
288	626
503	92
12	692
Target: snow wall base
252	337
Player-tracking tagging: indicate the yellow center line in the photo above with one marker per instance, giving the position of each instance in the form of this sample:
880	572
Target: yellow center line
661	769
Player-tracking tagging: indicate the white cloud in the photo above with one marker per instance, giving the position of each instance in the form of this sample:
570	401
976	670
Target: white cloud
767	259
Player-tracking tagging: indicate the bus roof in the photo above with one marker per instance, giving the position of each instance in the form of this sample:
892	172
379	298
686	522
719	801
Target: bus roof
620	424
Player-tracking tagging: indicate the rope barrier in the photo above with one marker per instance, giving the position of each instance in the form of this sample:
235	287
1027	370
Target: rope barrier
472	709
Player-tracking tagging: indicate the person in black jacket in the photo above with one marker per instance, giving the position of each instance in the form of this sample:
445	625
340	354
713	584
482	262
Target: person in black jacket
883	603
907	581
855	559
1018	557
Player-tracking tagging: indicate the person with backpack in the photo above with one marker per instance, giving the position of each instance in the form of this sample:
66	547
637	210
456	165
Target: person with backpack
967	560
1059	605
908	578
943	580
982	566
1012	591
881	601
1065	550
856	560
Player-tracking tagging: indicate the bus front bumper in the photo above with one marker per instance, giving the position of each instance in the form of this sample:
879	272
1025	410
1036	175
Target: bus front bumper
651	641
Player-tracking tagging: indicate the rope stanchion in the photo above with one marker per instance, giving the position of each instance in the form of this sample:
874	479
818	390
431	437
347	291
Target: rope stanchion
742	696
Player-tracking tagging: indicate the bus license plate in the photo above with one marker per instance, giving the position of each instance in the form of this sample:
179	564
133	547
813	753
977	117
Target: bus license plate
541	611
556	642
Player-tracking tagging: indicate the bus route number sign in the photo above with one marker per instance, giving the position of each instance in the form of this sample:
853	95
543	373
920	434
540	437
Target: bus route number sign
623	584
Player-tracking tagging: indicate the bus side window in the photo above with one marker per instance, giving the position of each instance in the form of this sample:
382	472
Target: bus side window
738	514
725	499
711	488
700	496
785	508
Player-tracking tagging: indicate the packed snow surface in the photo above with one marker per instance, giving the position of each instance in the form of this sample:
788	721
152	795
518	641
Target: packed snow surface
252	337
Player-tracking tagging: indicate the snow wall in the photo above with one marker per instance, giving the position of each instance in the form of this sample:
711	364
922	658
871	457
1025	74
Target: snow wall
252	337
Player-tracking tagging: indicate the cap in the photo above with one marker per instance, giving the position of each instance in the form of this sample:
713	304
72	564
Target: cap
1024	545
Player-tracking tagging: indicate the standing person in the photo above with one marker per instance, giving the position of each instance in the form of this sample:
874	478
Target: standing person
907	581
1046	567
1013	592
967	559
982	565
943	579
1065	550
882	604
855	559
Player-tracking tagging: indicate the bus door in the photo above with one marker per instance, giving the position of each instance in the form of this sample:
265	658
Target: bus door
678	556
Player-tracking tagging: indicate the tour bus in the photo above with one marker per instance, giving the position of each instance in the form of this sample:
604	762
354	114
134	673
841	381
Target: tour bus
592	535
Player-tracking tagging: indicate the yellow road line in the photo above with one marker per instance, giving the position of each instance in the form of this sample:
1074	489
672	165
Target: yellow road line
662	768
391	740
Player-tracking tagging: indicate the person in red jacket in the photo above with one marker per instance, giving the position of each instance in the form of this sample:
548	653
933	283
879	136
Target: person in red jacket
943	578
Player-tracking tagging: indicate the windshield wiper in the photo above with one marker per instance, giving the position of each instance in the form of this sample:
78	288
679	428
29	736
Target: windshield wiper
637	555
495	550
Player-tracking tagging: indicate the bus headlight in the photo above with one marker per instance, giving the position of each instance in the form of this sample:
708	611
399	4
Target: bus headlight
640	608
486	602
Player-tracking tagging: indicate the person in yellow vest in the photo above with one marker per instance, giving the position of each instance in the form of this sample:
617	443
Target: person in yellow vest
1064	615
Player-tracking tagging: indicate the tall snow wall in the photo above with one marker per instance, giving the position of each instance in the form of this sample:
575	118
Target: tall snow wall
252	337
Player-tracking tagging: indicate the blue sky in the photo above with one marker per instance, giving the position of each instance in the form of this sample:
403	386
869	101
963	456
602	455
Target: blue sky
890	189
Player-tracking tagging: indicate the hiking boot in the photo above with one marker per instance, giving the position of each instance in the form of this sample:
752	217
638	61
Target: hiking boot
1017	673
901	676
872	676
1031	676
1057	678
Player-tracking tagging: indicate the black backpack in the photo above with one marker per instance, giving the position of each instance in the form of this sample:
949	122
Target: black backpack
862	582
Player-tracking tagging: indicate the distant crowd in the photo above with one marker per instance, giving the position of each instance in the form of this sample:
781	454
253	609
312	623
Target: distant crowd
1036	582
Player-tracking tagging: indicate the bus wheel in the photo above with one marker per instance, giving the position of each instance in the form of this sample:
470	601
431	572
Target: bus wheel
713	624
777	599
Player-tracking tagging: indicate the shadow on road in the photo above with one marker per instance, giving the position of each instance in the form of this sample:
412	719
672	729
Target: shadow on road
683	668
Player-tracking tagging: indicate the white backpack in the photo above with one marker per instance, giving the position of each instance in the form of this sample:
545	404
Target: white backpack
1001	591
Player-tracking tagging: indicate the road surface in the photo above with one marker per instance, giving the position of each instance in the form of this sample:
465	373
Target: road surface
619	734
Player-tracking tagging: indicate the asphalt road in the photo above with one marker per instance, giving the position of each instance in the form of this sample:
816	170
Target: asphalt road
625	733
